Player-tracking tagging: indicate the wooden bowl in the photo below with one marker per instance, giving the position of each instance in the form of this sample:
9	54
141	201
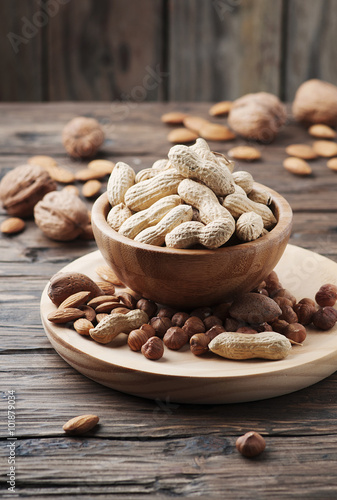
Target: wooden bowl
192	278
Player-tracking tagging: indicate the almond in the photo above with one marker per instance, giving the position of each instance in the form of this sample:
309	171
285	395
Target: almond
173	118
12	225
301	151
43	161
82	326
62	175
182	136
195	123
87	174
322	131
75	300
107	274
72	189
107	287
101	316
297	166
325	148
215	132
332	163
91	188
108	306
89	312
64	315
220	108
103	166
97	301
246	153
81	424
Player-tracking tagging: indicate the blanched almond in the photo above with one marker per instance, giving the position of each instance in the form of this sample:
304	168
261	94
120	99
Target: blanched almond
195	123
220	108
60	174
297	166
332	163
215	132
91	188
103	166
325	148
12	225
182	135
81	424
173	118
72	189
87	174
247	153
301	151
322	131
42	160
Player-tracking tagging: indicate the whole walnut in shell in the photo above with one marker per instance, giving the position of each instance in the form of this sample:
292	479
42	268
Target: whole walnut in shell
61	216
316	102
257	116
82	137
22	187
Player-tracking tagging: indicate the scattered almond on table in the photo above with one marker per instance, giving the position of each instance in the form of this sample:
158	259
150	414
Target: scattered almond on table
322	131
326	149
220	108
332	164
12	225
182	135
297	166
302	151
81	424
245	153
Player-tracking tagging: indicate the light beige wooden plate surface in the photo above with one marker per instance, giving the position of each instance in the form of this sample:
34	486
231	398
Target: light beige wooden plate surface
184	378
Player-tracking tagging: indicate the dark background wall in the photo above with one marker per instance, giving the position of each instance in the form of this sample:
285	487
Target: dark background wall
203	50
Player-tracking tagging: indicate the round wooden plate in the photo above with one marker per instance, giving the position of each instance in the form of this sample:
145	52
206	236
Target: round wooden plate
184	378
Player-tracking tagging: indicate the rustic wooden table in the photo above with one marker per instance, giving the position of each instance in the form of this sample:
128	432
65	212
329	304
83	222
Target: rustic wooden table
148	448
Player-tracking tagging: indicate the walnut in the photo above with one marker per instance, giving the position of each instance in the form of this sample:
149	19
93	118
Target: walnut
22	187
316	102
82	137
61	216
257	116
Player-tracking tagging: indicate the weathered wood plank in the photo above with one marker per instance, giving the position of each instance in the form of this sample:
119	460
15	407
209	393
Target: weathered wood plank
223	49
190	467
106	50
311	33
21	28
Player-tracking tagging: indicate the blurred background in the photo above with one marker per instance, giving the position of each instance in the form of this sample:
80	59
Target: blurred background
163	50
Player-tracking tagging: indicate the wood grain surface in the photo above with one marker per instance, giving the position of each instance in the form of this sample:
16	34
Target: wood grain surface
144	448
198	50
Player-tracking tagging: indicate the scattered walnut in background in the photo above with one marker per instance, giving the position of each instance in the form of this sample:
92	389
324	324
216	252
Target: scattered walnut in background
82	137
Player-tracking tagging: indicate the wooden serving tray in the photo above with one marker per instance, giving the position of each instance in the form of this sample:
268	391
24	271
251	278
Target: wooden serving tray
184	378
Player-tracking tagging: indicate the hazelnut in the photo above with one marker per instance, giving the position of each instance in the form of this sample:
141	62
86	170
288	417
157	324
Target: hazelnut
82	137
136	339
264	291
326	295
214	332
160	325
246	329
307	301
282	292
288	314
250	444
22	187
262	327
231	325
167	312
147	306
179	319
325	318
148	329
194	325
282	301
175	338
153	348
199	344
61	216
201	312
295	332
272	283
279	325
304	311
127	299
212	320
221	310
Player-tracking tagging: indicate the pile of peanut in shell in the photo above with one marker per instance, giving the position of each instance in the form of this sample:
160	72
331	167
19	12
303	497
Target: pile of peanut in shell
265	323
190	199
